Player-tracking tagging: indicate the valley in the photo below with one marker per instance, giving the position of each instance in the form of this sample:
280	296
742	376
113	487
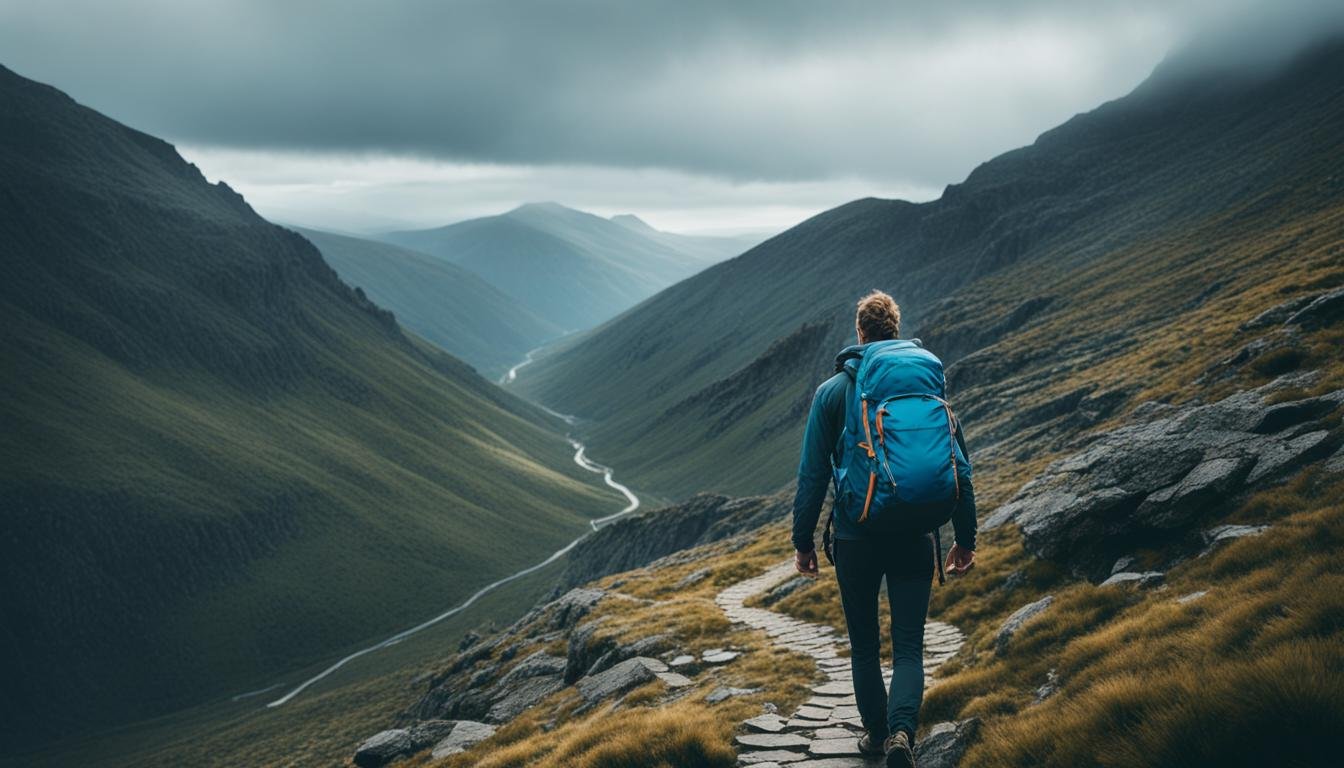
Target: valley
248	466
596	524
221	462
573	269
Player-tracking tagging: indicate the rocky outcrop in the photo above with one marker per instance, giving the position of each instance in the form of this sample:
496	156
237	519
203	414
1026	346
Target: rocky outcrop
638	540
1170	469
1325	310
447	737
463	736
491	681
619	679
383	747
945	744
531	680
472	688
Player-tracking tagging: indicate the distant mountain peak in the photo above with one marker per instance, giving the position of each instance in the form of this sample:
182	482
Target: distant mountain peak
632	221
545	206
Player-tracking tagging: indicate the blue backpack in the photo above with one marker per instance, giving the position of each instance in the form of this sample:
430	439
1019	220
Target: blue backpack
900	460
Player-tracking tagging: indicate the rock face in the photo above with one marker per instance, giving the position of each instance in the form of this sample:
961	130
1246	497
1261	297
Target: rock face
1146	481
1013	624
637	541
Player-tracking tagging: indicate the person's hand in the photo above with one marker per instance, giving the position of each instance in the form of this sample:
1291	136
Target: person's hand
960	560
806	563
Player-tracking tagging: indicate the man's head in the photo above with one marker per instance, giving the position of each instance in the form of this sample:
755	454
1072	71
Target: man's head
878	318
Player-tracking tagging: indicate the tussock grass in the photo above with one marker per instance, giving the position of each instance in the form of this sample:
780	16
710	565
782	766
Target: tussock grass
652	725
683	734
1250	674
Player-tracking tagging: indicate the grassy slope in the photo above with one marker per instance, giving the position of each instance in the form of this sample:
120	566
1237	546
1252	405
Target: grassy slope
647	728
1247	675
1133	206
1138	670
572	268
446	304
221	463
317	728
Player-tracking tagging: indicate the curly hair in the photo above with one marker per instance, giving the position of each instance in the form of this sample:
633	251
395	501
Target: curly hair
878	317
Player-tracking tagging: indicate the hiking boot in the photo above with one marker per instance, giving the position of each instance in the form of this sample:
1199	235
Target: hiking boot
899	754
870	746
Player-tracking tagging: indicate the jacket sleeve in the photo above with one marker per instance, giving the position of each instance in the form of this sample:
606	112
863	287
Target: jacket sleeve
963	518
824	424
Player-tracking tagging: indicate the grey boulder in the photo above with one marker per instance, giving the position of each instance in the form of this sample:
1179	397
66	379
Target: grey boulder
946	743
1014	623
619	679
510	700
1219	535
1144	580
427	733
464	735
383	747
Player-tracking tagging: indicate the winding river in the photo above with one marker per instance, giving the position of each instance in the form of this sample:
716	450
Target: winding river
580	459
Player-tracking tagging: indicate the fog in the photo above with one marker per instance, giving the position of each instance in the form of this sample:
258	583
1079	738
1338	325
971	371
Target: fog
703	115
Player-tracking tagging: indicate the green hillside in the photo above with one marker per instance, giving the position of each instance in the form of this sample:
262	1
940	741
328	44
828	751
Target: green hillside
440	301
1197	190
221	463
572	268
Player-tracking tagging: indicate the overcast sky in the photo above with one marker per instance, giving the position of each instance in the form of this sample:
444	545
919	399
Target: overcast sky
698	116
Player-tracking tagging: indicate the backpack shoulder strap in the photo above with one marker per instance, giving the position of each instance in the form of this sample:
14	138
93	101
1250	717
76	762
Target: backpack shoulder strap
830	516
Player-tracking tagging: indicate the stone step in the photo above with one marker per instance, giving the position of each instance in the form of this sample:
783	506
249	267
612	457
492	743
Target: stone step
824	732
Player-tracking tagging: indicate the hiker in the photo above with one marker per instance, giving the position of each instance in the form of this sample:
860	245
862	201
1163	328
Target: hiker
882	435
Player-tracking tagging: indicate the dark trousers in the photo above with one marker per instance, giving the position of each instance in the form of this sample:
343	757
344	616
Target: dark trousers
907	564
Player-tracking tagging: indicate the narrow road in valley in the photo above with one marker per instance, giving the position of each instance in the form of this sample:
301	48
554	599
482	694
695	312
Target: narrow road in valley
826	727
580	459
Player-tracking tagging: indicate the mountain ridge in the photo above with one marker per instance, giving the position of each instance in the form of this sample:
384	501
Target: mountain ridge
573	268
1107	192
221	462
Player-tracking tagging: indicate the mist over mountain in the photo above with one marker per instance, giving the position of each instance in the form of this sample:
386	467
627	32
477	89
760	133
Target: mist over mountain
571	268
1124	207
221	463
448	305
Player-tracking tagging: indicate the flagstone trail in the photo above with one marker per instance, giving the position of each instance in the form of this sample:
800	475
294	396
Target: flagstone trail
824	731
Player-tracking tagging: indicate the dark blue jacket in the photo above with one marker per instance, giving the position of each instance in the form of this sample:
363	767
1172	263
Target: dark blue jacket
821	448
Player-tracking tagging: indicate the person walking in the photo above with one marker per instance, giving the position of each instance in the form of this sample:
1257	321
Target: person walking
882	434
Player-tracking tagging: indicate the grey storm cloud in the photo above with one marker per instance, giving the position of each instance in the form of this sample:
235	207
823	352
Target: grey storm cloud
750	90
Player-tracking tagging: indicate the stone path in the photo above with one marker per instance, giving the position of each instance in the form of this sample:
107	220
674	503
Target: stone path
823	732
